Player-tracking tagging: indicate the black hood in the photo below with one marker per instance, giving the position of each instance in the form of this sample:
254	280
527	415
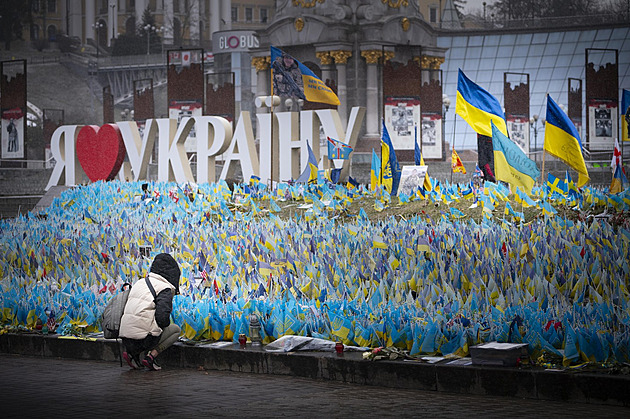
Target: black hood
165	266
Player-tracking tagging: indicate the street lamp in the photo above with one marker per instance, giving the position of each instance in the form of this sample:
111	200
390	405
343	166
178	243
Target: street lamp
114	20
127	114
148	29
97	27
533	123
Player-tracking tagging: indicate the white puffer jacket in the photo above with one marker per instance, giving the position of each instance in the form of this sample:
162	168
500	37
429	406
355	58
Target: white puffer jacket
138	319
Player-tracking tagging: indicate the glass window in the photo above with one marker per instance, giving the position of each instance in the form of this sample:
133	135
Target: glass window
486	64
604	34
577	60
517	63
475	41
249	14
491	40
571	36
505	51
555	37
620	33
52	6
459	41
552	49
472	53
433	14
536	50
523	39
489	52
264	15
458	53
564	60
234	14
539	38
508	39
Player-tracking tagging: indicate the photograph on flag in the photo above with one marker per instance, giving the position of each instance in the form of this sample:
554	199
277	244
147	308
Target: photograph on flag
291	78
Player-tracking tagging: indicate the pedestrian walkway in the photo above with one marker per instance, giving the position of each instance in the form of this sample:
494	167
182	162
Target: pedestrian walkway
46	387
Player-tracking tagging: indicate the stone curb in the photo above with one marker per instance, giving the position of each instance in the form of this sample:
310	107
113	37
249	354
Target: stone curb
574	386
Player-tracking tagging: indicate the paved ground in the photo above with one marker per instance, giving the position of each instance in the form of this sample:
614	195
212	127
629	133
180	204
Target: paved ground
38	387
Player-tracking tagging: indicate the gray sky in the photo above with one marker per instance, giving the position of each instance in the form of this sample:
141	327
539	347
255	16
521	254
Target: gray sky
473	6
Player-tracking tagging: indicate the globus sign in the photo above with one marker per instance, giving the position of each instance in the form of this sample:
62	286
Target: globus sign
234	41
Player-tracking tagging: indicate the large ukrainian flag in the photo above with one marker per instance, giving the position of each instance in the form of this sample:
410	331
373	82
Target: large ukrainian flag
562	140
478	107
390	175
511	165
314	89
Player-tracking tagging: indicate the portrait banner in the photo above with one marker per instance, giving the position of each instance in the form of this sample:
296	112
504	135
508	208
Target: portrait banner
402	115
13	133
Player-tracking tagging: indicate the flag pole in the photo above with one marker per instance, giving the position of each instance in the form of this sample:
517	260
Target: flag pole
542	176
271	111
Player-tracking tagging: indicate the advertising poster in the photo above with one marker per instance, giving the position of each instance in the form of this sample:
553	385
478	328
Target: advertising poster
411	178
431	135
179	109
518	128
603	124
402	114
13	134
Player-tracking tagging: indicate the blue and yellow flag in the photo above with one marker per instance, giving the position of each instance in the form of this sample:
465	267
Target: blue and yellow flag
625	115
511	165
375	171
310	171
390	175
562	140
556	185
478	107
294	79
338	149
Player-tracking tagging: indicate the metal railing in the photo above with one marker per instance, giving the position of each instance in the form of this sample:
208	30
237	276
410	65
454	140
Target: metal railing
9	164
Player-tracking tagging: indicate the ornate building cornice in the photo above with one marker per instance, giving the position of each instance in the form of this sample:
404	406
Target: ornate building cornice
307	4
394	4
261	63
324	57
341	56
427	61
372	55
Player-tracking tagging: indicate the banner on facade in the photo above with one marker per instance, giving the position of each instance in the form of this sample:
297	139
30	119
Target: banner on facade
13	133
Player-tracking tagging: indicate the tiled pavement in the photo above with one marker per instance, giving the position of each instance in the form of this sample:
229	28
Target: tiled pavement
48	387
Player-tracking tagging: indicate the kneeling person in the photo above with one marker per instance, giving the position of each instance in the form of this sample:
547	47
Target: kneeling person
146	323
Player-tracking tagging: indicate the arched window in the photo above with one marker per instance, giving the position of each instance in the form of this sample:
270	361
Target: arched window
130	26
52	33
34	32
102	33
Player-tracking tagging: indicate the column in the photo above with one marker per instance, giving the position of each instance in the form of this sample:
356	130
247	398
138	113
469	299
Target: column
168	22
341	62
74	18
141	5
261	64
194	22
90	15
215	17
226	14
371	117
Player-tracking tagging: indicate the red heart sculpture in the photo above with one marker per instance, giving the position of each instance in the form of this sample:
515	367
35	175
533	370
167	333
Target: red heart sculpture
101	151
